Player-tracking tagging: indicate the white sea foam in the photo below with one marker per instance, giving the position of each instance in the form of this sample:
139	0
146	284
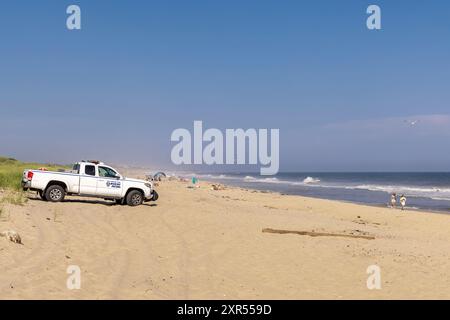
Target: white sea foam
309	180
272	180
410	191
430	192
415	191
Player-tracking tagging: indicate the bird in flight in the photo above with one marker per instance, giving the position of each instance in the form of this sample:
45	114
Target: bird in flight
412	122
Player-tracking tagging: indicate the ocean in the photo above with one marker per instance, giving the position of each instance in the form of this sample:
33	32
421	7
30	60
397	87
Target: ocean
430	191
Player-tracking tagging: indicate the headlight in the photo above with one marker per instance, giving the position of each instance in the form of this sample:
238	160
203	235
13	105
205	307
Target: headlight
148	185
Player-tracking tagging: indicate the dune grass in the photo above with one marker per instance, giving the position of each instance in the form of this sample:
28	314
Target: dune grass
11	171
17	198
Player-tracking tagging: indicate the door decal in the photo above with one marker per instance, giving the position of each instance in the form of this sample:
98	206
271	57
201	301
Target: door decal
113	184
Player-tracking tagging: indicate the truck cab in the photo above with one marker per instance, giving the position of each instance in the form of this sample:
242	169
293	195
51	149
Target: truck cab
98	178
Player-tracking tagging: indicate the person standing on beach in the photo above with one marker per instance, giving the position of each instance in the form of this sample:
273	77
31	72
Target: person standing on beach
195	182
393	200
403	201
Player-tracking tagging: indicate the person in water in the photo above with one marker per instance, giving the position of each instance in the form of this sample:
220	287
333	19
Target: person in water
403	201
393	200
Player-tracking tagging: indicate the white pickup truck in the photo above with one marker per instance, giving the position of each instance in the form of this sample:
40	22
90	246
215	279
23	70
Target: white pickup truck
89	178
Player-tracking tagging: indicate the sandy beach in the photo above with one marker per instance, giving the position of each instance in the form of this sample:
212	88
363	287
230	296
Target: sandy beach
208	244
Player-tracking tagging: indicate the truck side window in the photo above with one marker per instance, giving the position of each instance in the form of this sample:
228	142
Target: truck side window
89	170
106	172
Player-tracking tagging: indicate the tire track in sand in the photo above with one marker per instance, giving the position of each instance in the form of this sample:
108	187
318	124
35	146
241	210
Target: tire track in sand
43	248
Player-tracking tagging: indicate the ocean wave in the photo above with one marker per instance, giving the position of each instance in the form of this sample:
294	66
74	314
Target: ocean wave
309	180
415	191
429	192
272	180
253	179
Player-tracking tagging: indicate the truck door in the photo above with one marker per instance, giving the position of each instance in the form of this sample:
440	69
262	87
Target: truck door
109	183
88	181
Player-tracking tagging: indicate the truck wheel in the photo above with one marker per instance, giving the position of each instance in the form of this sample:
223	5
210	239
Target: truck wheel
42	195
135	198
155	196
55	193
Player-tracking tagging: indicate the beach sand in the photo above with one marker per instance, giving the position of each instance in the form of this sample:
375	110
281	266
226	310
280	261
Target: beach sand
207	244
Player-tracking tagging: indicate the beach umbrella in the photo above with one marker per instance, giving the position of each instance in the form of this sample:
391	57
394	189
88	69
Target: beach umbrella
158	175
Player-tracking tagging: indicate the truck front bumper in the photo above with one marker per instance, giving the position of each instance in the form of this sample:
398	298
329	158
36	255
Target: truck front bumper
153	196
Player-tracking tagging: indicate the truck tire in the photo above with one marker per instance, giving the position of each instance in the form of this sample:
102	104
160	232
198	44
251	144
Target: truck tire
42	195
55	193
155	196
135	198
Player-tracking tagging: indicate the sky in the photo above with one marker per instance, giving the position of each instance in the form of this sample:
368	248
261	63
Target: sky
342	96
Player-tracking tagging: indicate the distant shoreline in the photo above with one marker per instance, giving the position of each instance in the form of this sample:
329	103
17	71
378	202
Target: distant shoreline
349	198
381	206
380	198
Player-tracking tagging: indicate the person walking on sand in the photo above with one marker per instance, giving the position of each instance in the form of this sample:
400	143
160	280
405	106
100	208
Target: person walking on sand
403	201
393	200
195	182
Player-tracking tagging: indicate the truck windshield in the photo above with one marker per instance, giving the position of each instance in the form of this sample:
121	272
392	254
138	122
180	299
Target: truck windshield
106	172
76	168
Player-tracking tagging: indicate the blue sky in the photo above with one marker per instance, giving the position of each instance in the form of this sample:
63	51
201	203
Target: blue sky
338	92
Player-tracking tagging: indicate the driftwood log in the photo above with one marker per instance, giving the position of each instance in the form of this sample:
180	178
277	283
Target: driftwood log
318	234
